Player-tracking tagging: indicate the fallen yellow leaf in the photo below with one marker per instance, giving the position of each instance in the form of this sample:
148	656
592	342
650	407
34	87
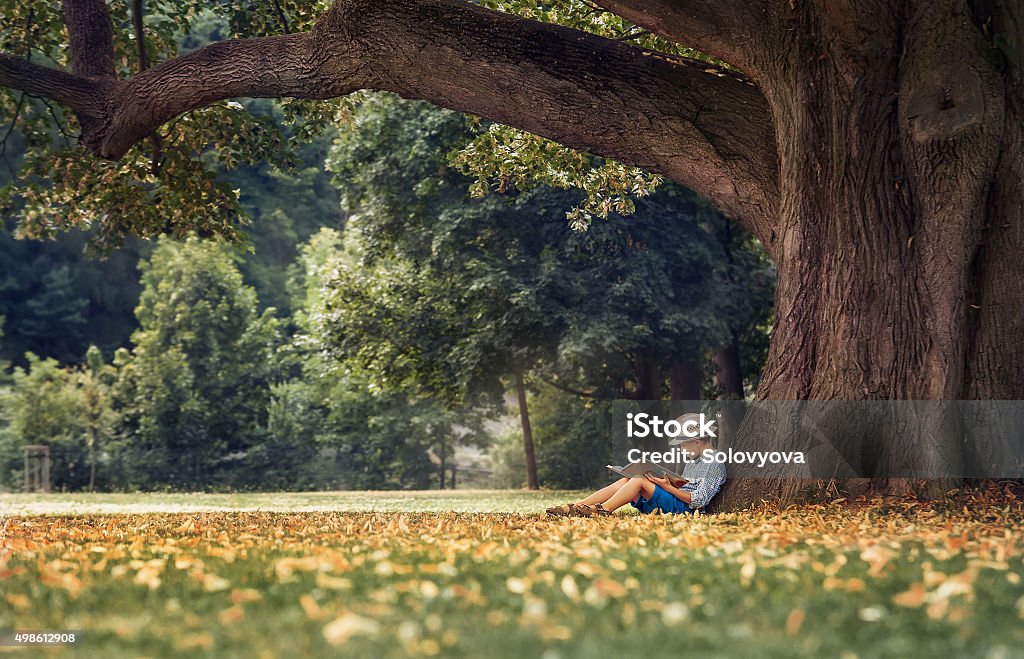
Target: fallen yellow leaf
310	607
231	615
347	625
240	595
793	621
911	598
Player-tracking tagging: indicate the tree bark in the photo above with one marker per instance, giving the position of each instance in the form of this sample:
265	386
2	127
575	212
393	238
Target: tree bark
684	379
90	37
728	371
726	29
894	164
729	378
524	418
648	378
441	473
995	356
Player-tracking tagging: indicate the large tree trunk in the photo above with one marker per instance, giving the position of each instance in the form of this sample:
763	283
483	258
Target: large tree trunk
900	181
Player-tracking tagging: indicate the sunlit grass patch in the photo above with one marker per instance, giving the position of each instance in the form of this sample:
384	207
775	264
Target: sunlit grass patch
342	501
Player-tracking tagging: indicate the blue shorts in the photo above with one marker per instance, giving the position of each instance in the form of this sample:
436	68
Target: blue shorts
661	500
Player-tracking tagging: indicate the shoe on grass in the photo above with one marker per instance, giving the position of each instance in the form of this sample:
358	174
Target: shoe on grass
565	510
587	510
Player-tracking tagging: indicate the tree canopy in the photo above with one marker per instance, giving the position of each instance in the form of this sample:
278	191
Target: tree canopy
448	294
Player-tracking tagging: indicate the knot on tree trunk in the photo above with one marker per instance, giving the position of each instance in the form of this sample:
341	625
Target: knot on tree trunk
951	101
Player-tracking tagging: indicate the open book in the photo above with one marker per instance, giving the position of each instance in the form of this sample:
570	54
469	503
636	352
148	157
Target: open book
638	469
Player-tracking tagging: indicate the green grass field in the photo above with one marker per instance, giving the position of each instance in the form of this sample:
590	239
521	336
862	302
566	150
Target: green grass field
426	501
876	579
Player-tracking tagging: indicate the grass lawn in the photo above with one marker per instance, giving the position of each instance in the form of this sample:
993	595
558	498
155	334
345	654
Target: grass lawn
425	501
876	579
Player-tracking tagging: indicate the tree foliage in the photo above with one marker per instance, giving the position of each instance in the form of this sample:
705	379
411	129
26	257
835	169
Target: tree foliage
377	434
60	302
196	385
436	290
168	185
66	409
173	184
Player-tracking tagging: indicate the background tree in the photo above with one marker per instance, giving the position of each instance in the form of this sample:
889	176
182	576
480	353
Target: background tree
507	278
63	300
381	435
196	386
44	405
95	381
572	442
457	297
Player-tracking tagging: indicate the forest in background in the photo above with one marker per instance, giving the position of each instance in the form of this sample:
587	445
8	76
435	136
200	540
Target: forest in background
378	320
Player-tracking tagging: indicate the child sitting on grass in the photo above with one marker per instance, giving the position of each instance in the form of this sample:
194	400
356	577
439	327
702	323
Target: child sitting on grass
651	493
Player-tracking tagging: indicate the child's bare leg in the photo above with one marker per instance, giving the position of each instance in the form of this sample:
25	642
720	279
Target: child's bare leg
605	493
629	491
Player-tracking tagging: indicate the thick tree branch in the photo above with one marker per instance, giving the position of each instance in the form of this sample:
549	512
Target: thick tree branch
85	96
567	389
706	128
90	37
725	29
